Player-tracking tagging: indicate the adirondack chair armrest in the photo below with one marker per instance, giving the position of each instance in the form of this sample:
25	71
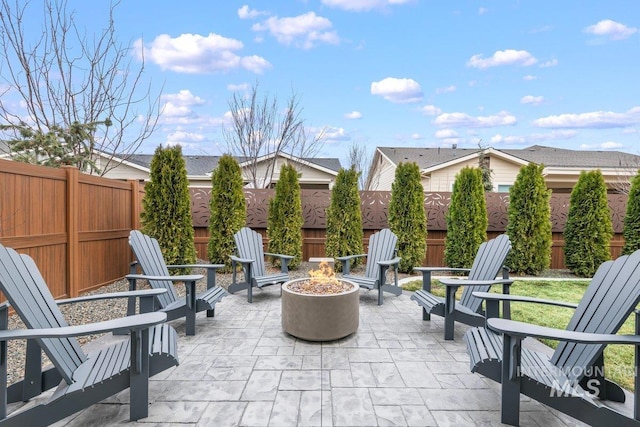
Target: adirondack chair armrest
113	295
523	330
349	257
207	266
431	269
426	274
519	298
288	257
180	278
467	282
240	260
211	271
390	262
133	323
346	261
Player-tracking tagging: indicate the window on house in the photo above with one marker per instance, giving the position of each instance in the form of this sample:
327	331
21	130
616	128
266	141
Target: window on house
504	188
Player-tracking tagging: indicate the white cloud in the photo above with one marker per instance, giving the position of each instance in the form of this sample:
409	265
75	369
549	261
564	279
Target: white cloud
611	29
533	100
447	89
362	5
180	137
549	63
499	139
247	13
430	110
465	120
596	119
179	104
241	87
416	136
534	138
482	10
305	31
446	133
196	54
503	57
397	90
354	115
609	145
333	135
530	77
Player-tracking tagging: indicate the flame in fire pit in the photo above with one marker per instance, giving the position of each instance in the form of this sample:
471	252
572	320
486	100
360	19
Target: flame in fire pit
322	281
323	274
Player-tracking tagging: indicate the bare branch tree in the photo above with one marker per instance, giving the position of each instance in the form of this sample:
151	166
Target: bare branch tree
259	129
67	77
360	160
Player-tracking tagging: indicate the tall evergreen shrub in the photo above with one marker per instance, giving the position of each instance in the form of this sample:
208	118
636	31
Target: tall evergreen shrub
407	217
285	221
344	218
467	219
228	210
631	227
588	231
529	227
166	206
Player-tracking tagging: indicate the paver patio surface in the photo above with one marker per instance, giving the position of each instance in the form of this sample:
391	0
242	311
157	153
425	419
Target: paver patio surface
241	369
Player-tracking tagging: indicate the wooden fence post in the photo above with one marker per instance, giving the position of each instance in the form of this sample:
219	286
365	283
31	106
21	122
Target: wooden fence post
136	204
73	244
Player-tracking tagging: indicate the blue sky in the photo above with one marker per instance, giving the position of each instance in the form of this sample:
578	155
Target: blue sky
407	73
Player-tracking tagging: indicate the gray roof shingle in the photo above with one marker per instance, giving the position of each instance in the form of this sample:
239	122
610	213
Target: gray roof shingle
549	156
199	165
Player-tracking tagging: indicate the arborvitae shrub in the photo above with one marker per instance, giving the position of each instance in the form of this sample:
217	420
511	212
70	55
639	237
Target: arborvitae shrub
467	219
285	221
344	218
529	227
166	206
228	210
588	231
407	217
631	227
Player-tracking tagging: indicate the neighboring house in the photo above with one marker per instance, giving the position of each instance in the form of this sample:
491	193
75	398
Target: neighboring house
562	167
315	173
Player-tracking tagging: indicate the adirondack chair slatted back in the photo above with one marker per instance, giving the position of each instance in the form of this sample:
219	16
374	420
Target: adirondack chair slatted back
610	298
149	256
382	247
26	290
487	265
249	246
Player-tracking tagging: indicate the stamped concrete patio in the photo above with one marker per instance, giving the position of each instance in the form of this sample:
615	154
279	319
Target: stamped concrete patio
241	369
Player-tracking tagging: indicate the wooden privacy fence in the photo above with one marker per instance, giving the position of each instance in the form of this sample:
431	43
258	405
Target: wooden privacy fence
74	226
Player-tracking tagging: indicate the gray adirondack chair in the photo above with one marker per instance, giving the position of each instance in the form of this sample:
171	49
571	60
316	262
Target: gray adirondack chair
381	256
571	380
487	264
149	257
251	256
82	379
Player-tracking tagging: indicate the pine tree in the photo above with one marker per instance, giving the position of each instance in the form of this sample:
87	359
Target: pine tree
588	231
529	226
407	217
166	206
228	209
285	221
631	227
344	218
467	219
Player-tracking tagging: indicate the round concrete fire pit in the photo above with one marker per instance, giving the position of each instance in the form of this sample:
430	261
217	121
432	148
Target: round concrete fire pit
320	317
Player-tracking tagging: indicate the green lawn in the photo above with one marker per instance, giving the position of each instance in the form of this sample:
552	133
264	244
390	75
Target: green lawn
619	359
